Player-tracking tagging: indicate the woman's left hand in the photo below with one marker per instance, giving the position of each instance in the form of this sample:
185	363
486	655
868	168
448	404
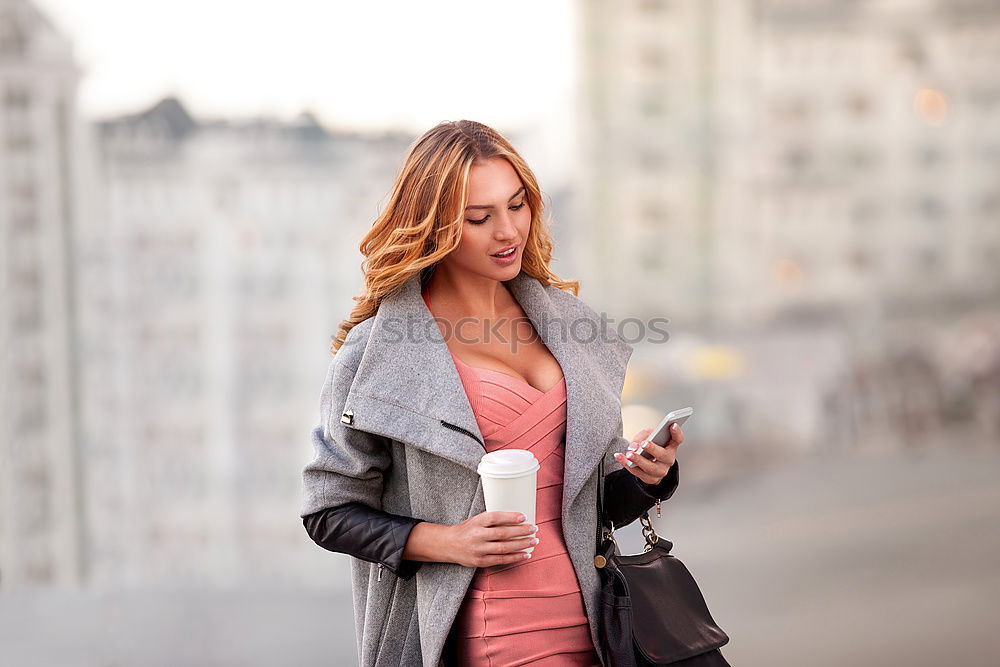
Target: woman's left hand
651	471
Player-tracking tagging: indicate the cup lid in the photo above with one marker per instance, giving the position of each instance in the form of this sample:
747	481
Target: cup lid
505	463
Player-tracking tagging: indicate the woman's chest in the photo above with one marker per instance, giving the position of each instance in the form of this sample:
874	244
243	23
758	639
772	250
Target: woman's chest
508	344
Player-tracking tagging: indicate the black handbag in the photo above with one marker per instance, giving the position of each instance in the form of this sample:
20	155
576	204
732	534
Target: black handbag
651	610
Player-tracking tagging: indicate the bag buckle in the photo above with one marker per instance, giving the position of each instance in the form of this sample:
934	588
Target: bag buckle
648	532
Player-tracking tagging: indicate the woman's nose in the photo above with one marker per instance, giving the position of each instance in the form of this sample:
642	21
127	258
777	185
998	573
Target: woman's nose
504	229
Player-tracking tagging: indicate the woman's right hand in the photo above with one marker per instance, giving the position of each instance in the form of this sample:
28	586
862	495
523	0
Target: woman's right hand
479	540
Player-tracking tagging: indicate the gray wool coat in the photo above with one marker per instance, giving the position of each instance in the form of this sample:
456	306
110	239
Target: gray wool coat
383	441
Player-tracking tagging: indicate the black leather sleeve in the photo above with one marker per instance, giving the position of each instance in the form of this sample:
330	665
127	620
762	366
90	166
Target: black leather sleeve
372	535
626	497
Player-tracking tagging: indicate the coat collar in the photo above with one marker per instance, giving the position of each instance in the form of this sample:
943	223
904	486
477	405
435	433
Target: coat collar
407	387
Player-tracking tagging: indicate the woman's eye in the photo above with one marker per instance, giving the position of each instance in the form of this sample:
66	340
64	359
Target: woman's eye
479	222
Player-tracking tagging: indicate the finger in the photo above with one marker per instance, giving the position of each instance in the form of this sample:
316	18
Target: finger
663	453
676	434
658	452
639	460
623	461
642	435
504	559
507	532
656	469
636	470
510	546
502	518
659	465
626	463
628	460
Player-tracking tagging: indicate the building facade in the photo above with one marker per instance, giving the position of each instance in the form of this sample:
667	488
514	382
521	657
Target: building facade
42	536
761	160
225	259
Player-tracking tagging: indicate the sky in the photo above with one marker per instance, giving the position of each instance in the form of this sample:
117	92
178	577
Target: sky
372	64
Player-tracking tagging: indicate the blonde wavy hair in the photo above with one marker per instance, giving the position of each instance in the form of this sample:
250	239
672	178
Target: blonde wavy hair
422	221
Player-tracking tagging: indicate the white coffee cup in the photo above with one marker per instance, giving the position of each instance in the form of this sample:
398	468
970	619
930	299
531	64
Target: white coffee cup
509	483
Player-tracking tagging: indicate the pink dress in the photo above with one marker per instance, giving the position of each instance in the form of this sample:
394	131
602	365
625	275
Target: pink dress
530	612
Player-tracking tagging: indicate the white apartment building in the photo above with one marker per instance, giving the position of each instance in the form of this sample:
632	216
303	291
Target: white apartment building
42	541
226	258
746	161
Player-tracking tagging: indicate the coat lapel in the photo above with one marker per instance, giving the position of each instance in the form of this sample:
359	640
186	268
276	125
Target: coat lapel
594	370
406	386
406	383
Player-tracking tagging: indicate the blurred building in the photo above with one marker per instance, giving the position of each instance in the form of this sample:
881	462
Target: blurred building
41	508
748	162
224	261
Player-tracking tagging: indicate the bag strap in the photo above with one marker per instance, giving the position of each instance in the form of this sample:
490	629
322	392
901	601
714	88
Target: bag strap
600	504
603	548
605	542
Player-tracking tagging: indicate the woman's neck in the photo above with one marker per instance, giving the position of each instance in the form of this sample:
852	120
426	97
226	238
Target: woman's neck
469	296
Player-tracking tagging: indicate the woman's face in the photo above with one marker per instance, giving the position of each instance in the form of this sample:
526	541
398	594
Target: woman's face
497	218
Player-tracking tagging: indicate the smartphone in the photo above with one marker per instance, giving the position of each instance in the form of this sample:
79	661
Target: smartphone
661	434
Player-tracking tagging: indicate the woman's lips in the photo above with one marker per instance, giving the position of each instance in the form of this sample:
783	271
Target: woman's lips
509	259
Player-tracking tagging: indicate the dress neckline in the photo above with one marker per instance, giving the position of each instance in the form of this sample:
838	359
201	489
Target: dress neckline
480	369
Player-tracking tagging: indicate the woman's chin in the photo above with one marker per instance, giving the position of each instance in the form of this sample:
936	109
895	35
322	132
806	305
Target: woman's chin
508	272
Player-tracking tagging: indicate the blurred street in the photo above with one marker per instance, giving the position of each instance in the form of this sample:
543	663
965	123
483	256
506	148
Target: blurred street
872	558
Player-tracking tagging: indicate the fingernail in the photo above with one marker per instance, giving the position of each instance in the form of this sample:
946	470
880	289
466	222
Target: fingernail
527	556
534	540
534	529
674	427
631	455
521	517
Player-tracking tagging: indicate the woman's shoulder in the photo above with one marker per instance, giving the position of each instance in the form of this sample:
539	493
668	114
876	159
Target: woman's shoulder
569	303
572	308
353	348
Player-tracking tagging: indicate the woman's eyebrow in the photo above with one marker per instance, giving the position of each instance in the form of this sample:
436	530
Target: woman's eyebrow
484	206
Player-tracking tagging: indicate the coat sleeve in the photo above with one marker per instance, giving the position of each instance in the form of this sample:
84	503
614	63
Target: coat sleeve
625	496
343	483
369	534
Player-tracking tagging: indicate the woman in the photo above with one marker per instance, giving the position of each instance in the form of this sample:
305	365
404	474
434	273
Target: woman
465	342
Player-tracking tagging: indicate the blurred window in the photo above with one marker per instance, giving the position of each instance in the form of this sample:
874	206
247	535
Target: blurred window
859	104
990	254
860	158
987	99
17	97
865	210
989	205
932	208
653	213
651	157
654	6
927	259
860	258
653	104
930	156
653	58
791	110
797	158
13	40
